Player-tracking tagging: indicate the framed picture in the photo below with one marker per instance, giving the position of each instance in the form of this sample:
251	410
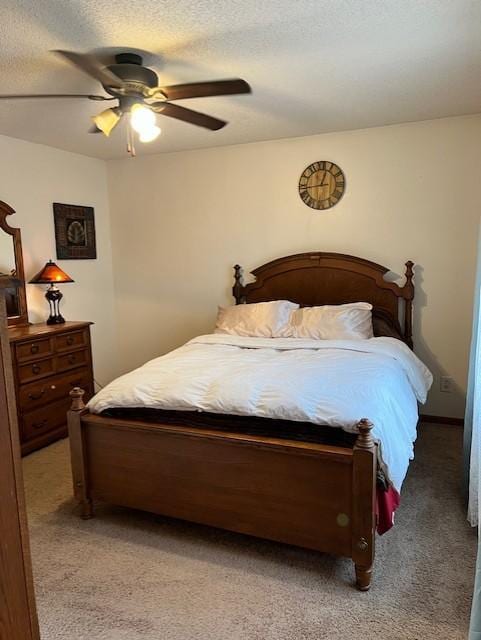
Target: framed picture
74	232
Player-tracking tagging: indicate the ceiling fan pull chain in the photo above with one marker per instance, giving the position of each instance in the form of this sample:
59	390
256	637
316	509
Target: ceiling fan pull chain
127	130
130	141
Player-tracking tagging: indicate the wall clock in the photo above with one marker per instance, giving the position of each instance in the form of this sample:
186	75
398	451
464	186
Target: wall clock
321	185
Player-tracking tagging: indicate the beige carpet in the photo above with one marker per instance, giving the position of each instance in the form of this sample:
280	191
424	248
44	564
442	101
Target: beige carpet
127	575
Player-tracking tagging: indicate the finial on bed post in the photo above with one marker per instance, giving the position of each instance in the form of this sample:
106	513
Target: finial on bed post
409	271
77	399
238	286
408	307
364	439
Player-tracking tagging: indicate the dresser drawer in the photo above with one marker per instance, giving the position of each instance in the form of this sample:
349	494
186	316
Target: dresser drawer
71	340
72	360
36	423
35	370
36	394
33	350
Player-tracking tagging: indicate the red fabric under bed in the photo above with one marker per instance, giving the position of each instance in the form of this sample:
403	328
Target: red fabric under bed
386	504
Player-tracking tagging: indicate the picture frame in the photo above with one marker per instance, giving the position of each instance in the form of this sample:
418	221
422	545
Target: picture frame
74	232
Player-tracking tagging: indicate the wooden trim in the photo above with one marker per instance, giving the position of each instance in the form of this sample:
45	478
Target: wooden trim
78	453
408	305
18	615
40	329
457	422
340	454
22	318
364	504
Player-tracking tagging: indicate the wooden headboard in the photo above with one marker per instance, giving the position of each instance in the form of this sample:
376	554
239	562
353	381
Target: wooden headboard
318	278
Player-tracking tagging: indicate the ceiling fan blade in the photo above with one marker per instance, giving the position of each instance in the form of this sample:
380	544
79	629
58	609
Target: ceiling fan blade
204	89
53	95
92	67
187	115
107	120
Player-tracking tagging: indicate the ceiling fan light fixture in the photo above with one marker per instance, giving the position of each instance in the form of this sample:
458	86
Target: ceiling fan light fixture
106	120
142	118
149	134
137	90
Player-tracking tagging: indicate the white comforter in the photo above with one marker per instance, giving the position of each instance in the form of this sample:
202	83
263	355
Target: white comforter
333	382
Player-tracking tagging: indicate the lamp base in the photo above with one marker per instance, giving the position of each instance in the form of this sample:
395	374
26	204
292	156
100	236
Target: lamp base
54	296
56	319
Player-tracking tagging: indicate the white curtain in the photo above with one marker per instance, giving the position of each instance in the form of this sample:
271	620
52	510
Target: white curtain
472	446
472	419
473	413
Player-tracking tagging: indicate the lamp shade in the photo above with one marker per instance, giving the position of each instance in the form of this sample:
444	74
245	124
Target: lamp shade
50	273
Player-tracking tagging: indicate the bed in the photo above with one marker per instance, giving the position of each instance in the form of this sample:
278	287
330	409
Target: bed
255	475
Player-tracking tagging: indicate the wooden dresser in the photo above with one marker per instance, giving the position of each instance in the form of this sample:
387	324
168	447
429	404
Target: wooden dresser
48	361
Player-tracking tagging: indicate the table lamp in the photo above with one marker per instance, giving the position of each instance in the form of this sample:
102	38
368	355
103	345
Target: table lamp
52	274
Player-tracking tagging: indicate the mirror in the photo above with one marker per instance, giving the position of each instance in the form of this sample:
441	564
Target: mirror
8	268
11	264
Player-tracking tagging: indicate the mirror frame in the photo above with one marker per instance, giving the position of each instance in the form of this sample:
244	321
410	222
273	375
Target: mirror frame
22	317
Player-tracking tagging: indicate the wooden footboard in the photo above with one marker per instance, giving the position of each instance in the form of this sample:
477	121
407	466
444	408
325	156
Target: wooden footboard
315	496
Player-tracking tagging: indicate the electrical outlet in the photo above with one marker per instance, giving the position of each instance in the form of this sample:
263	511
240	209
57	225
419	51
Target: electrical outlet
446	384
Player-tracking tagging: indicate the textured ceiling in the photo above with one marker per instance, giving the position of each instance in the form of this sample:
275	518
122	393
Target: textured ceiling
314	65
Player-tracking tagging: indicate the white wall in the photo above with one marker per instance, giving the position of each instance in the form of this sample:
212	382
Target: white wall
181	220
32	177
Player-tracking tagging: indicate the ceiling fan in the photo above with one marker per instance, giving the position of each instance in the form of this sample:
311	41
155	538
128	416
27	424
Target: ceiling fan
137	91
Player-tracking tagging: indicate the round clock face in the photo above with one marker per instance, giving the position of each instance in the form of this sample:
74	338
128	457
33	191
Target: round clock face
321	185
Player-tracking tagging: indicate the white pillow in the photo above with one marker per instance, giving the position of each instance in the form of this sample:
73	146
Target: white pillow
258	320
331	322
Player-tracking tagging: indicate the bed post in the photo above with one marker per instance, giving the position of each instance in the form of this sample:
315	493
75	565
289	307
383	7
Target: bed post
77	452
408	305
364	504
238	286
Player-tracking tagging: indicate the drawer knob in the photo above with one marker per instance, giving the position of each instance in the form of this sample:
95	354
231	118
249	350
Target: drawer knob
72	359
40	425
53	387
34	348
70	340
36	368
33	396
